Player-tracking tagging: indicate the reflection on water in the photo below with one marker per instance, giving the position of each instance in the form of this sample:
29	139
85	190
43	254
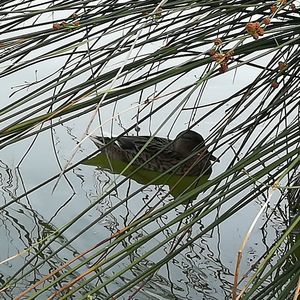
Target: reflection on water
178	185
203	270
39	217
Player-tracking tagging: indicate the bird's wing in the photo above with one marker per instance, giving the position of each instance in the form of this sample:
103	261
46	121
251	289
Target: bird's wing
136	143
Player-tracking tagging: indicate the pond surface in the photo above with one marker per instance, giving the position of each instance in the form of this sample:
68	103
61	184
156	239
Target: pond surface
204	270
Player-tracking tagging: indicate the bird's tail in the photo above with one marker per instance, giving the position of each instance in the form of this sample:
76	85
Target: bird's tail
100	141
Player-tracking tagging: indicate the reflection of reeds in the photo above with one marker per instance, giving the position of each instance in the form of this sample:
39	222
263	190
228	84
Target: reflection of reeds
293	198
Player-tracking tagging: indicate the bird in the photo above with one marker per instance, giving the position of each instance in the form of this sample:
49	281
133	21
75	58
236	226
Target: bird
187	152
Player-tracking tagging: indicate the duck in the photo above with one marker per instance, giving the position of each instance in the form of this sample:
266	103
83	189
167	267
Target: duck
187	150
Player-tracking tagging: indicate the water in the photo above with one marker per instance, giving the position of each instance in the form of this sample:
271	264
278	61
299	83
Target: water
203	270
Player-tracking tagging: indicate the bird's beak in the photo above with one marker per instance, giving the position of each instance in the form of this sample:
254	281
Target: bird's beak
213	158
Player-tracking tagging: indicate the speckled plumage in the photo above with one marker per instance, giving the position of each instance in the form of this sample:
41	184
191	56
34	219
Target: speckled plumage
161	154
